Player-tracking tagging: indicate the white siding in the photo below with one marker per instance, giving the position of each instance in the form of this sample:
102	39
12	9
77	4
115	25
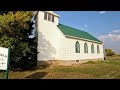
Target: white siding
67	50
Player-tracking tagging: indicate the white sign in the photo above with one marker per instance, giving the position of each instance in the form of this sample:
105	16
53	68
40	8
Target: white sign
3	58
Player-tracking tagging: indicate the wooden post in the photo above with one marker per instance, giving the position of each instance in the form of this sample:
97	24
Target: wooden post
7	71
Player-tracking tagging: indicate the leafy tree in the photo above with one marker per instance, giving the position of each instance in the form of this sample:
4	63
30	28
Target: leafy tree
14	33
3	12
109	52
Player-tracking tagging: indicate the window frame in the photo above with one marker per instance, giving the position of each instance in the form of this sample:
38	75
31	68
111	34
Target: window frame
92	48
77	47
98	49
49	17
45	16
85	48
53	18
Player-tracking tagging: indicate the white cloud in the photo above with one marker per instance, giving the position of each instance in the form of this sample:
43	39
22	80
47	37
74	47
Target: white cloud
85	25
116	31
111	40
111	37
102	12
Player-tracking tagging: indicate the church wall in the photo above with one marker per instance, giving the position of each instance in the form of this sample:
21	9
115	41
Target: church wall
67	50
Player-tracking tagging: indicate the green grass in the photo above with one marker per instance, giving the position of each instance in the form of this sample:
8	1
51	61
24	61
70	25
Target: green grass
109	69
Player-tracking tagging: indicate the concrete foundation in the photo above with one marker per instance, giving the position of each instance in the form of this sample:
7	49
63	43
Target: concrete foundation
64	63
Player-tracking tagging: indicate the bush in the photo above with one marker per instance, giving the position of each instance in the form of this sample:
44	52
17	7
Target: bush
109	52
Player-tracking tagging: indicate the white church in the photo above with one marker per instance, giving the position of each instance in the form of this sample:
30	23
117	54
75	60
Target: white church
62	44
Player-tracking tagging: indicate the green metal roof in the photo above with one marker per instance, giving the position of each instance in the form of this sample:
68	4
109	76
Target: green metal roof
69	31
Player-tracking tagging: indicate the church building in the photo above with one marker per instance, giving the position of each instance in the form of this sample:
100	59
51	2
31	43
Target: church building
64	44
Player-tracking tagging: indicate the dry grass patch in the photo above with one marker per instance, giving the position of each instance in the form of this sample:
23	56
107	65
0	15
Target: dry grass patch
109	69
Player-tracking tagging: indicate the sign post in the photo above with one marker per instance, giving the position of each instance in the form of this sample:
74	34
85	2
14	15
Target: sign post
4	60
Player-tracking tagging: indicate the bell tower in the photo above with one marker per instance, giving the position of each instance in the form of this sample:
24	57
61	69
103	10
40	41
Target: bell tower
47	30
49	16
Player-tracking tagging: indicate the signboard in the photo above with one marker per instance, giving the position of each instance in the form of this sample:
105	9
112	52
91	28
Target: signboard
3	58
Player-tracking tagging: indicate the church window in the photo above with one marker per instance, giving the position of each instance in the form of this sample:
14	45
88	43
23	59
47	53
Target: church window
85	48
77	47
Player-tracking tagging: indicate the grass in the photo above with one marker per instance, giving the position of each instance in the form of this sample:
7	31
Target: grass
109	69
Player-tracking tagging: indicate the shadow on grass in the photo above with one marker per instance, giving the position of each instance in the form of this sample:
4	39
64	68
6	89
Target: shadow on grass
38	67
90	62
37	75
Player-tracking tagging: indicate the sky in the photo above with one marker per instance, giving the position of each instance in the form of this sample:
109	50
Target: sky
104	25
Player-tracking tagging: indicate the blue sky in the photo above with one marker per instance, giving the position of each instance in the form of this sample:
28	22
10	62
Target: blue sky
104	25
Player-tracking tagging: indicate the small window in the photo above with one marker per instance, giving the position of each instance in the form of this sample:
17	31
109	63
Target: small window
85	48
92	48
98	49
45	15
77	47
52	18
49	17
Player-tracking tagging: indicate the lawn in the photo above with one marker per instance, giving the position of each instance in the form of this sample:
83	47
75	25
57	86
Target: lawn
109	69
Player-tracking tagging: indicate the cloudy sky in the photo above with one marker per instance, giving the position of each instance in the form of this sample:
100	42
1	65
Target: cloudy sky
104	25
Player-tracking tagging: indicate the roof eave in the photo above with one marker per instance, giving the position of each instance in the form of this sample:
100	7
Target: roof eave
83	39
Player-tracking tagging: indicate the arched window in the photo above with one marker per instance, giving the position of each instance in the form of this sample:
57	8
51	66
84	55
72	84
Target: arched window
98	49
85	48
92	48
77	47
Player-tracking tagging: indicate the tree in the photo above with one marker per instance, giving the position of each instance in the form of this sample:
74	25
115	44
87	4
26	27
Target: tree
3	12
14	33
109	52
